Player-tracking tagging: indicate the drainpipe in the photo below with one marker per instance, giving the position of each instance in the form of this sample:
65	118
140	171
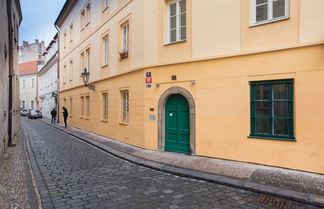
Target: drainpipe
58	74
10	99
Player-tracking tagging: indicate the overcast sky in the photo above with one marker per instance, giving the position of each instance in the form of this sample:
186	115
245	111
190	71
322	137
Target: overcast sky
38	19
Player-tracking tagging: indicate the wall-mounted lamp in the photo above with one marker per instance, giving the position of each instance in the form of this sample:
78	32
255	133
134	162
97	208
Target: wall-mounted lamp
85	76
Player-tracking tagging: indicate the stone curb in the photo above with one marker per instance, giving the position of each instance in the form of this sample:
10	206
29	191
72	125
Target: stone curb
311	199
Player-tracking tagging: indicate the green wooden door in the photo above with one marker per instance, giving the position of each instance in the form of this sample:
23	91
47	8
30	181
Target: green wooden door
177	128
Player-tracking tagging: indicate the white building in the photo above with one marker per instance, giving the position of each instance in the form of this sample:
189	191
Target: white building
28	84
47	79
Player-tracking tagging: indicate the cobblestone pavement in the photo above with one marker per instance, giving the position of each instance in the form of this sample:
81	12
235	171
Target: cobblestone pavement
16	190
72	174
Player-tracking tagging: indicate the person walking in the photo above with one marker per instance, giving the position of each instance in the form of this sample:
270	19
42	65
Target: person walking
53	113
65	115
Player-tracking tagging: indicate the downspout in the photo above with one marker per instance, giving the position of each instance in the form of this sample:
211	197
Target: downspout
10	77
58	74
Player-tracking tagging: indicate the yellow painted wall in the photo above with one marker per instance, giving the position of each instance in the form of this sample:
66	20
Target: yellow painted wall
311	21
277	34
216	28
221	93
222	97
132	132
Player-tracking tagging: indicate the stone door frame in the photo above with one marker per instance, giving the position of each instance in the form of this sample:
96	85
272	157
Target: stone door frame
161	116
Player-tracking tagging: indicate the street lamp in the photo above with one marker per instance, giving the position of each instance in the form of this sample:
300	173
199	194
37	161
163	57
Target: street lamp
85	76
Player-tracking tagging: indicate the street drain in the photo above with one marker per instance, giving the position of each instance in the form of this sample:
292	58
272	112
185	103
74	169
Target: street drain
274	201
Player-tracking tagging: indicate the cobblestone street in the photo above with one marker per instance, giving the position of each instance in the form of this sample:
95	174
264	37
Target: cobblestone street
72	174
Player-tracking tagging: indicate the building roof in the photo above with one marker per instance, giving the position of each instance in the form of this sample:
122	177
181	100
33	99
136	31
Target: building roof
28	67
69	4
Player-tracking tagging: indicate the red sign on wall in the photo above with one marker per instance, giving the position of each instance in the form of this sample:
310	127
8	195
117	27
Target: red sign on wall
148	78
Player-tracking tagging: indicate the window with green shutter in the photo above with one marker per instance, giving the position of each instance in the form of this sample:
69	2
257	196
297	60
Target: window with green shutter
272	109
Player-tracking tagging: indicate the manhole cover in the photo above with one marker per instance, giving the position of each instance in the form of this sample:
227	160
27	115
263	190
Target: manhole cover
273	201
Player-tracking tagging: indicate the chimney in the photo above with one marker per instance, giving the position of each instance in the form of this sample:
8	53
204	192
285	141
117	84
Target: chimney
25	43
36	41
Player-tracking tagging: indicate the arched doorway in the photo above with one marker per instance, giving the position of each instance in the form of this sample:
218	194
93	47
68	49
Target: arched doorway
176	121
177	128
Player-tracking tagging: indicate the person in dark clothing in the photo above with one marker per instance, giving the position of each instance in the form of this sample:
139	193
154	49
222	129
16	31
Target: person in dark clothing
53	113
65	115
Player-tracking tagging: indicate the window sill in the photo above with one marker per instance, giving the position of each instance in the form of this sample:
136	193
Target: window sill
268	21
123	123
86	118
176	42
105	9
104	66
104	121
273	138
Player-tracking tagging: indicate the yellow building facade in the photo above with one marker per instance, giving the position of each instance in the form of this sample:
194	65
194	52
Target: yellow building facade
241	80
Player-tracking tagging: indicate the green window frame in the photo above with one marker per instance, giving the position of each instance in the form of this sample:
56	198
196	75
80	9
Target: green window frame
272	114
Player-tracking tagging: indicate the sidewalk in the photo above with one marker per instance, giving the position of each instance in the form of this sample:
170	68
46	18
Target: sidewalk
16	186
294	185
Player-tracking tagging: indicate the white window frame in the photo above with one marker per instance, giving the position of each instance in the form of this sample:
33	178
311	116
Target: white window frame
105	4
82	62
105	105
105	49
124	105
71	70
82	106
71	32
64	73
83	18
125	36
178	23
270	13
88	54
71	107
88	12
87	110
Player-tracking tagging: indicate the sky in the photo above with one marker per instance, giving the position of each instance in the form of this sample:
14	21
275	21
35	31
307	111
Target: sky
38	20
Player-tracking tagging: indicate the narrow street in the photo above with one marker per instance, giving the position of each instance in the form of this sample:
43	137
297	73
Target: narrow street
72	174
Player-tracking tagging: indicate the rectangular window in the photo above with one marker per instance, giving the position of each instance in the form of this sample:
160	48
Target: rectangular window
33	83
177	21
105	4
71	70
64	39
105	50
87	113
105	106
88	14
88	59
71	107
23	104
82	106
125	37
82	63
85	16
23	83
71	32
125	105
83	20
64	74
272	109
265	11
32	104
